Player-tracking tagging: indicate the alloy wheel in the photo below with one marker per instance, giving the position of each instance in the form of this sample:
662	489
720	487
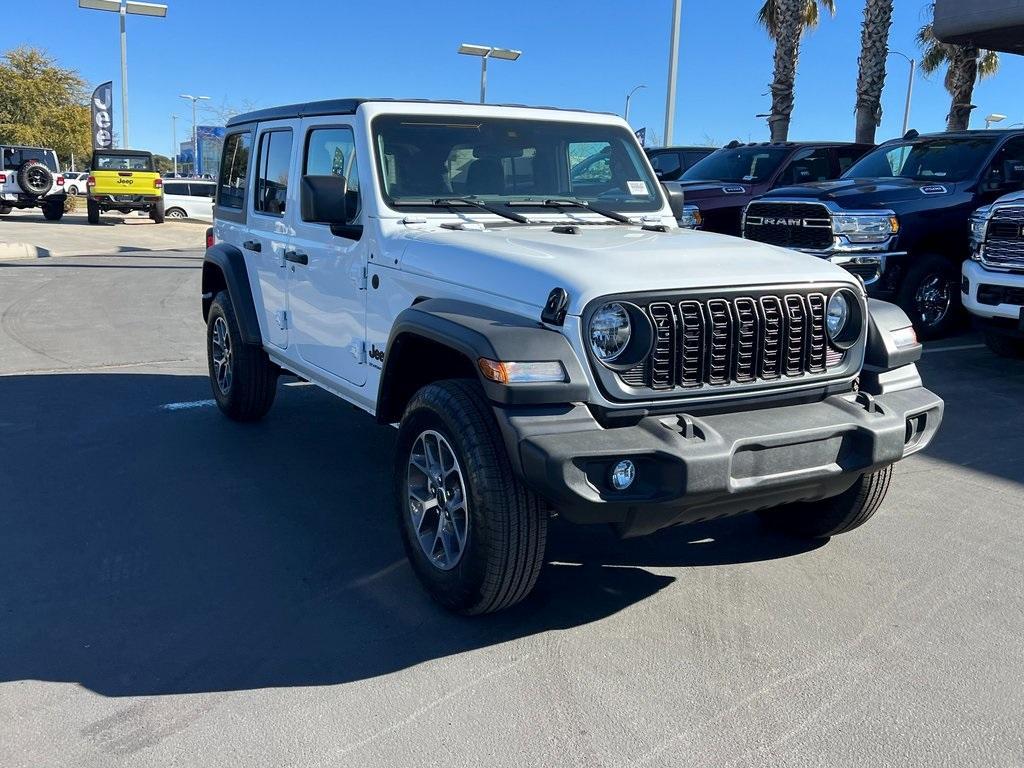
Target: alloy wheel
221	354
933	299
438	509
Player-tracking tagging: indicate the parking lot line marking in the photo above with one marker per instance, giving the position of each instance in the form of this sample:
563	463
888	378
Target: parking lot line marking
184	406
955	349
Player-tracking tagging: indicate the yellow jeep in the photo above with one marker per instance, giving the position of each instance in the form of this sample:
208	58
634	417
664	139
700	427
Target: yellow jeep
124	180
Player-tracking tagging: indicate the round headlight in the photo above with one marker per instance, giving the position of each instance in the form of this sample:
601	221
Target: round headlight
838	315
609	332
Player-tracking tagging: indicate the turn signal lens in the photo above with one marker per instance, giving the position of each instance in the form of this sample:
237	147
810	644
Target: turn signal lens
904	337
522	373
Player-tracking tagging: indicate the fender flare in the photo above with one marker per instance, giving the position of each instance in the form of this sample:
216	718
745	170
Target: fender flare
882	353
476	331
230	262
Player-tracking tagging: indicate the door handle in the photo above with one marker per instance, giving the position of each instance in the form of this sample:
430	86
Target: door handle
295	257
252	245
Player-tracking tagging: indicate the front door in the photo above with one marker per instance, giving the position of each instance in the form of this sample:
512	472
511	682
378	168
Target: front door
268	228
327	271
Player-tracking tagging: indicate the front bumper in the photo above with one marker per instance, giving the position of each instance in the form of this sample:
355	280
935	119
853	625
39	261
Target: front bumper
696	468
866	261
990	294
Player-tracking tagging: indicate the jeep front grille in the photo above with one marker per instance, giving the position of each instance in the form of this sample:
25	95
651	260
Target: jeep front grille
790	225
1004	245
716	342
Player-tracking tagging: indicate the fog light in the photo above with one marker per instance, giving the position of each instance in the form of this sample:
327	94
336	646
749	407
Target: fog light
623	475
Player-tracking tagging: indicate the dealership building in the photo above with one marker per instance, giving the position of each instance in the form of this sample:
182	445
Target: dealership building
207	160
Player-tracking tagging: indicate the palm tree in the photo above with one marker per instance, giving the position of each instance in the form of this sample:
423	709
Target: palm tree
965	65
874	50
786	21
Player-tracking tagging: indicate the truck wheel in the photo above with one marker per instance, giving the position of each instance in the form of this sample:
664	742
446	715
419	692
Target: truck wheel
53	211
930	295
156	213
475	535
839	514
1004	346
243	379
92	209
5	209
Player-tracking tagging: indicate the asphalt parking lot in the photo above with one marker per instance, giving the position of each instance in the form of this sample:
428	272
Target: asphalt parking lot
179	590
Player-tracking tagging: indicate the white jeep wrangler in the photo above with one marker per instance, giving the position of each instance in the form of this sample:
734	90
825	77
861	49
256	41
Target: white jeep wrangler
30	178
544	336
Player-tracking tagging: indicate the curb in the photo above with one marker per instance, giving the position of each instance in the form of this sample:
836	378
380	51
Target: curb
21	251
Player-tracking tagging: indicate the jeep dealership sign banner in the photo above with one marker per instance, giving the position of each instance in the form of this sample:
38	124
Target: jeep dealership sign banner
103	116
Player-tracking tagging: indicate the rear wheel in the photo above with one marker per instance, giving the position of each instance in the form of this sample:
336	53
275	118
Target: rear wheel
72	190
176	213
1004	346
53	211
243	379
474	534
156	213
930	295
839	514
5	209
92	209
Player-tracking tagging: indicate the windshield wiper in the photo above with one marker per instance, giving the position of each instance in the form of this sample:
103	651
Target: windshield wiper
450	202
572	202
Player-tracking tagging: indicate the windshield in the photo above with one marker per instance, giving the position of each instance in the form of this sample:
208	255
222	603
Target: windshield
117	162
496	160
743	165
929	160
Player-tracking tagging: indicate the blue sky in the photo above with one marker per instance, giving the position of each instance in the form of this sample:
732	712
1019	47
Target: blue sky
577	53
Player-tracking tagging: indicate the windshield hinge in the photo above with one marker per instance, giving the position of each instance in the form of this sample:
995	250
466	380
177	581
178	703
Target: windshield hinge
358	350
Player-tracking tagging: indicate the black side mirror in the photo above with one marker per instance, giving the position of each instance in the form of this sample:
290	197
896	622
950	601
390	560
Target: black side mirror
675	200
324	199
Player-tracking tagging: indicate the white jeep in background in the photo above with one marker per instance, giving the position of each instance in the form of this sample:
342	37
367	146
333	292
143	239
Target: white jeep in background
30	178
509	287
992	285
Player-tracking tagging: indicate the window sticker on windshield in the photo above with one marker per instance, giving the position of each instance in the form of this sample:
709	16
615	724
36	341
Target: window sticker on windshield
637	187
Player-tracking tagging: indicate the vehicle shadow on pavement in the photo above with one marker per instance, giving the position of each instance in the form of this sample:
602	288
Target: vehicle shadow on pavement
149	551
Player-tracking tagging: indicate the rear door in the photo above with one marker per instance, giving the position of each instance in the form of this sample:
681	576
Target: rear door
327	271
268	235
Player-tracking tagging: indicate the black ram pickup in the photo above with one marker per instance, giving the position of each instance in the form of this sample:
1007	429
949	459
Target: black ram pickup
899	217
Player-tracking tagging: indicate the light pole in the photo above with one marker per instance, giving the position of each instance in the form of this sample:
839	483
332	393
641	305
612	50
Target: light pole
195	129
174	143
629	95
673	67
123	8
486	52
910	89
995	117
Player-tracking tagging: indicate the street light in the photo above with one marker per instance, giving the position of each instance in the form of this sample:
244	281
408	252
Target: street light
995	117
195	130
123	8
673	68
629	95
486	52
910	89
174	143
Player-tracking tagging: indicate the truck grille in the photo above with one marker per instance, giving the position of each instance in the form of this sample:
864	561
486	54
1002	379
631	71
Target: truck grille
716	342
790	225
1004	246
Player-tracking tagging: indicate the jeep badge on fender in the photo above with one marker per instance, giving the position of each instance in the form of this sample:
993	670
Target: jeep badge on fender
555	343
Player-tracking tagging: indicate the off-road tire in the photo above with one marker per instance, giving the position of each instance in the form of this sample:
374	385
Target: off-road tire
253	383
830	517
922	269
53	211
1005	346
34	178
156	213
92	210
5	209
507	531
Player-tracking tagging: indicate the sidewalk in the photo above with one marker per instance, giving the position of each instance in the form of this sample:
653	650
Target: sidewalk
26	234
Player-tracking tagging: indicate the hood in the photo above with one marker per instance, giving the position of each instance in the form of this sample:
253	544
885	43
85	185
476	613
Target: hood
1013	197
866	193
525	263
716	193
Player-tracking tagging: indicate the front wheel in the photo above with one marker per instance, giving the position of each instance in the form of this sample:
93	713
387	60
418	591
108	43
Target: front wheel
839	514
53	211
1004	346
176	213
72	190
930	295
243	379
473	532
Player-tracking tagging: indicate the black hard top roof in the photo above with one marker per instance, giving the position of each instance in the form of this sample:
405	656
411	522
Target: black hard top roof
349	107
127	152
974	133
681	147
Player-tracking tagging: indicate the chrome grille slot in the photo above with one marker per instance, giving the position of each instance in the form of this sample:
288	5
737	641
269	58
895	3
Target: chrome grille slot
664	344
691	344
1004	245
817	343
745	357
719	341
795	337
772	332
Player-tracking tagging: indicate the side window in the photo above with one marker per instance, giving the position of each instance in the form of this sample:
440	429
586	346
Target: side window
692	158
810	165
234	168
275	155
1008	169
667	165
201	190
176	189
847	156
332	152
